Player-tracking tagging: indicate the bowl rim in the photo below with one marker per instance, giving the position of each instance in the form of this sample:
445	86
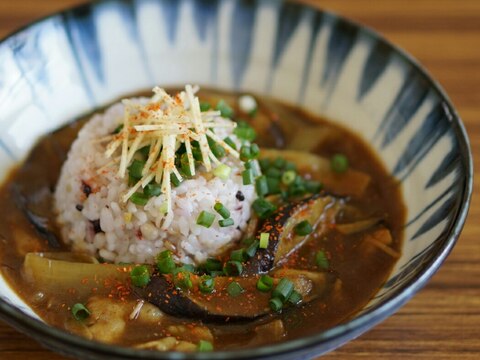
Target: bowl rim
59	340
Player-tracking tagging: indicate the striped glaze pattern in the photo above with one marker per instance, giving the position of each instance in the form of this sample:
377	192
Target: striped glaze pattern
62	67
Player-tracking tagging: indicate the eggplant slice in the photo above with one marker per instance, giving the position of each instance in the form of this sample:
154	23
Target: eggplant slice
319	210
219	306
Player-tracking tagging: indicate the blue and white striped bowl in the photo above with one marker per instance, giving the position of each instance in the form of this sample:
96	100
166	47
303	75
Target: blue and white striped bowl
70	63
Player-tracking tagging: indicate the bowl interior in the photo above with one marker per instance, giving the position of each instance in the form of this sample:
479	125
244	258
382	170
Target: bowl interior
66	65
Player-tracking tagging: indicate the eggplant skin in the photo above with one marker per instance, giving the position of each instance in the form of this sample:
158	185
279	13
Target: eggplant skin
219	306
279	224
163	293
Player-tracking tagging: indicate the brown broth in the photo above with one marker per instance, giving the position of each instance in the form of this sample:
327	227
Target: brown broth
361	275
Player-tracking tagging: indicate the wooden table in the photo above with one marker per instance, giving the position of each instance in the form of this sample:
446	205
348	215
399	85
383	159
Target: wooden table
443	320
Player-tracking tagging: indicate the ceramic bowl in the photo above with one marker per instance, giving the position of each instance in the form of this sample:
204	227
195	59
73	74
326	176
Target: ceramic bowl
70	63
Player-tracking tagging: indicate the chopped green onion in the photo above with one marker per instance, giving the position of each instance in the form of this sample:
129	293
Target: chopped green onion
204	346
234	289
185	165
273	173
264	164
252	248
297	187
222	210
247	177
206	284
186	267
303	228
261	186
279	163
290	166
213	265
252	165
273	186
205	219
312	186
245	131
322	260
295	298
264	239
197	154
265	283
275	304
131	181
217	273
165	263
263	208
238	255
118	129
254	151
152	190
80	312
225	110
222	171
232	268
339	163
182	280
216	148
283	290
230	143
245	153
136	168
163	208
205	106
175	181
288	177
139	199
226	222
140	275
145	151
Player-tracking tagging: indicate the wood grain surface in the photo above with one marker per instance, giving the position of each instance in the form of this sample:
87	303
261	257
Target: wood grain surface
443	320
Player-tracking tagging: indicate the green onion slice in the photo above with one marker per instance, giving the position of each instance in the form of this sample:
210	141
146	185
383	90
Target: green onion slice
288	177
264	239
261	185
232	268
283	290
204	346
136	168
226	222
275	304
265	283
213	265
222	210
80	312
139	199
263	208
206	284
252	248
248	177
238	255
182	280
322	260
140	275
303	228
295	298
339	163
234	289
165	263
205	219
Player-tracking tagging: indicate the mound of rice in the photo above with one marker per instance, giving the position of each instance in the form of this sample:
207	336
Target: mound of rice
94	220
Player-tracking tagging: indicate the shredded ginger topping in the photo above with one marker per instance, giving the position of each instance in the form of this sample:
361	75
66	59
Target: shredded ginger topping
164	123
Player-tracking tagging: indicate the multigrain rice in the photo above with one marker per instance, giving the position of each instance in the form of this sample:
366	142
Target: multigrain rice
93	219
